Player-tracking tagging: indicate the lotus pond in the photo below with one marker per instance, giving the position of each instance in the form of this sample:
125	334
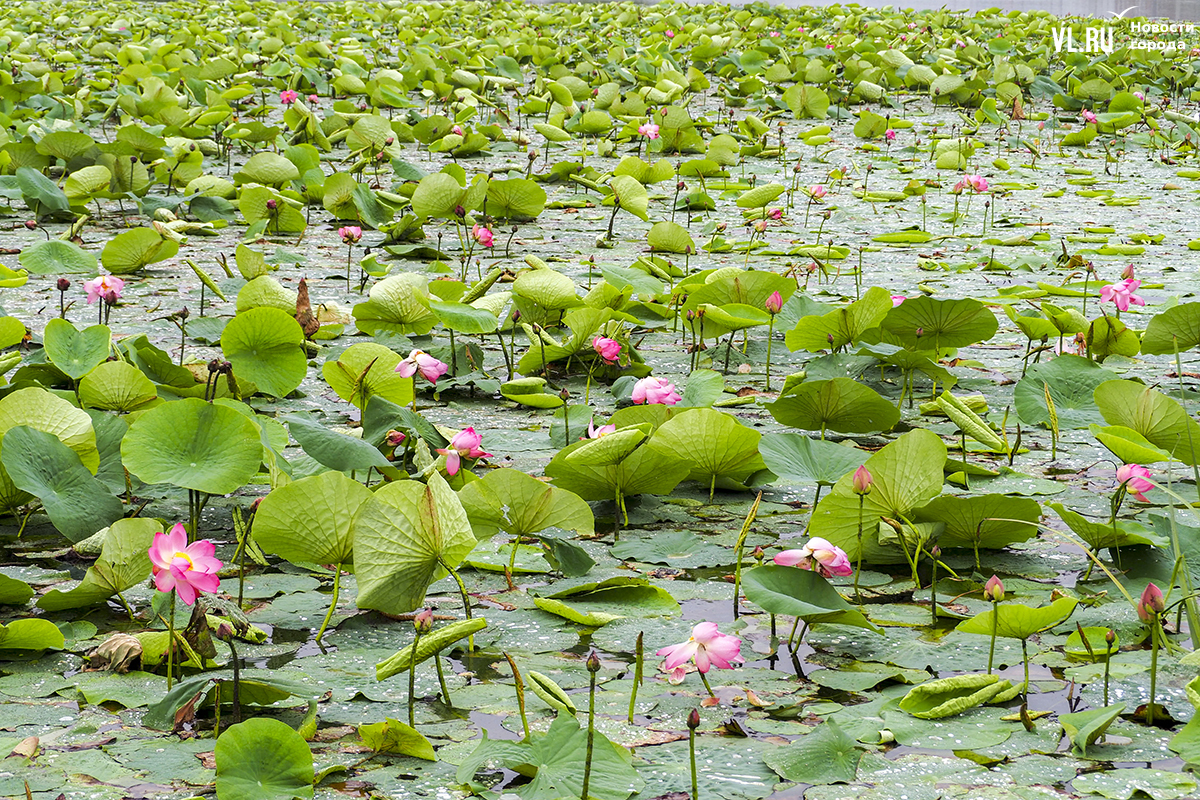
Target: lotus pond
598	401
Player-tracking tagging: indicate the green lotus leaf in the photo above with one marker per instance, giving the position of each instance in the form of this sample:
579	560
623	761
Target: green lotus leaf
265	346
263	759
266	292
39	409
547	288
130	251
270	169
823	756
309	520
796	458
511	501
681	549
607	450
517	198
990	521
464	318
1098	535
76	352
800	593
405	537
38	463
41	194
1108	336
949	696
395	738
649	469
399	304
670	237
533	392
969	422
67	145
907	474
1084	728
1016	621
116	386
845	325
1177	327
31	635
253	202
193	445
713	444
124	562
929	323
56	257
838	404
345	375
1072	383
1128	445
84	184
631	195
332	448
760	196
430	645
14	592
1160	419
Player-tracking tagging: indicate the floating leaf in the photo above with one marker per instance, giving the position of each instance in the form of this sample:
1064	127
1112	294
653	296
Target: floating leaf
263	759
800	593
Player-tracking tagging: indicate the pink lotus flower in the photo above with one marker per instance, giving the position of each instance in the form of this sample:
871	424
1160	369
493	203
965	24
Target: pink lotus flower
1088	116
465	444
603	430
774	34
1140	96
419	361
314	99
1042	125
890	135
708	646
102	286
655	391
288	96
862	481
649	130
670	34
817	191
482	235
457	130
994	589
897	299
775	213
608	349
350	234
820	555
774	303
978	183
1151	603
829	47
1122	293
1133	478
189	569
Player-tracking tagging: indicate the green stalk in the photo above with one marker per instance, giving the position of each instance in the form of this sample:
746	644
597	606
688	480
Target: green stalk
171	641
1155	632
437	662
412	679
738	548
337	587
692	757
770	336
1025	658
995	625
520	686
637	675
858	560
466	600
704	680
593	661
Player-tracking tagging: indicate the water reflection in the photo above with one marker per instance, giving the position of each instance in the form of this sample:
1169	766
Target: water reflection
1106	9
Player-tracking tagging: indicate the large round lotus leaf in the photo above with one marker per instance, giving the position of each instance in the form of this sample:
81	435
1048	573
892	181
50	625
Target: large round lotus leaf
838	404
547	288
929	323
437	195
949	696
607	450
309	520
263	759
56	257
800	593
670	237
12	331
405	536
266	292
268	168
346	375
631	195
464	318
76	502
284	218
84	183
66	145
399	304
73	351
116	386
46	412
713	444
649	469
1177	327
129	251
515	199
194	445
265	346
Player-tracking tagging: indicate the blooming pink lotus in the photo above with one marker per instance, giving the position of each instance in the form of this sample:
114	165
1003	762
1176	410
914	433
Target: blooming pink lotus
314	99
483	235
670	34
101	286
189	569
603	430
1133	478
819	555
288	96
457	130
775	213
897	299
419	361
1088	116
608	349
1122	293
890	135
1151	603
350	234
649	130
774	303
817	191
708	646
465	444
655	391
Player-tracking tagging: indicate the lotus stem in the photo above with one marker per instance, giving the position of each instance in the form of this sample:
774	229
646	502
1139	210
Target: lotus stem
437	662
1025	658
466	599
1155	632
692	759
770	336
171	642
412	678
520	686
593	666
638	657
333	601
858	565
995	627
237	683
704	680
738	550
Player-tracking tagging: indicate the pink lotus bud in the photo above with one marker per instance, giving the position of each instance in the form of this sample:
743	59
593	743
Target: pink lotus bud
774	303
993	590
423	621
1151	603
862	481
395	438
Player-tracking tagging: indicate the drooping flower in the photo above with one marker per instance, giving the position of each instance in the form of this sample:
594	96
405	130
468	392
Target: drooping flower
464	444
99	287
819	555
775	213
1088	116
1133	478
1151	603
890	135
606	348
862	481
1122	294
288	96
350	234
419	361
655	391
708	646
817	191
189	569
993	589
774	303
649	130
483	235
603	430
